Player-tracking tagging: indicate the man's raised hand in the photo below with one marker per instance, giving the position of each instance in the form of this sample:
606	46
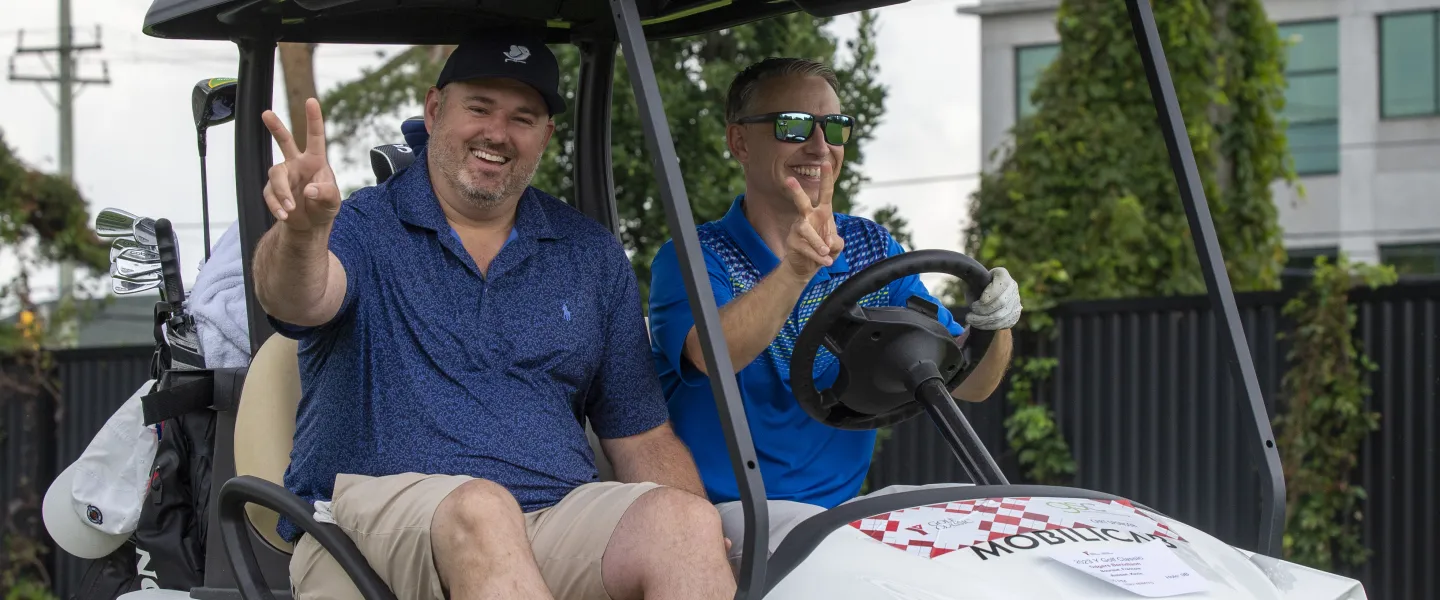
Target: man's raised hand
812	240
302	192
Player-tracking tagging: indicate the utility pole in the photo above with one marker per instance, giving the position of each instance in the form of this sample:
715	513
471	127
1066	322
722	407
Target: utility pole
68	81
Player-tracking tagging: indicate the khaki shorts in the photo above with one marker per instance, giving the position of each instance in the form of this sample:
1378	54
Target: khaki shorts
389	519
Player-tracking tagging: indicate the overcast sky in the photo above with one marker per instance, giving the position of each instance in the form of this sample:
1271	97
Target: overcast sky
135	143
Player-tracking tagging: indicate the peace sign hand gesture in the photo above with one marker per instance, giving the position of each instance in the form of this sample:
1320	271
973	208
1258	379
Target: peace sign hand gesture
813	241
302	192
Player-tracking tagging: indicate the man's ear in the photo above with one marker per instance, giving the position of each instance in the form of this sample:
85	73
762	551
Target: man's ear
432	108
735	141
549	131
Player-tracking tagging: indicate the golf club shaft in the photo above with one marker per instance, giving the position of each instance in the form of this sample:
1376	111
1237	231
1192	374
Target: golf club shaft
204	197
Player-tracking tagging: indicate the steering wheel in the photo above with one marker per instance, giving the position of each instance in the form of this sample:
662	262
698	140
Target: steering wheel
886	353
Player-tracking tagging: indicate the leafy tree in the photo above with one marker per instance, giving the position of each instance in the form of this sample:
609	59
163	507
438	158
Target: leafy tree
693	75
43	220
1084	203
899	228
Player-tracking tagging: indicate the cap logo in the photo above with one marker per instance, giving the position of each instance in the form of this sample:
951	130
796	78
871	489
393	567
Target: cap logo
517	54
94	515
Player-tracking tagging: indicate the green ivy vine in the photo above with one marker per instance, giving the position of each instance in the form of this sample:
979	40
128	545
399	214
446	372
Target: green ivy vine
1083	203
1324	419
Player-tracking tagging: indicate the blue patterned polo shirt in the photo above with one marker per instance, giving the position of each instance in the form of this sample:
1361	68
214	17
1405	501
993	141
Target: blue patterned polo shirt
800	458
432	367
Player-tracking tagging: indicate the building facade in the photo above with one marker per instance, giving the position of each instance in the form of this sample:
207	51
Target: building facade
1363	111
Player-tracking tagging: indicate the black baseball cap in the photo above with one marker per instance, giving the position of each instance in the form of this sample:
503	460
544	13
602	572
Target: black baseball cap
508	54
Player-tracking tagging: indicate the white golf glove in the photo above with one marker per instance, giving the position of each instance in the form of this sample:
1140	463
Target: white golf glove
999	305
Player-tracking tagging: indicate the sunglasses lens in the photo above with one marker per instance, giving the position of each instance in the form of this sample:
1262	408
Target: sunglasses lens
838	129
794	127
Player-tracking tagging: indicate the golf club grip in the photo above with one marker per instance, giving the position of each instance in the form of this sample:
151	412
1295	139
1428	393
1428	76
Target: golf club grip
169	262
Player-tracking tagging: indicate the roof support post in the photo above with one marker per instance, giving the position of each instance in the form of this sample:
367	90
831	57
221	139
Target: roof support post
252	165
594	181
681	220
1217	280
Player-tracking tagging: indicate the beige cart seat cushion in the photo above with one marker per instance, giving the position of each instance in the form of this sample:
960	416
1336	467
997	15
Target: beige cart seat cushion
265	427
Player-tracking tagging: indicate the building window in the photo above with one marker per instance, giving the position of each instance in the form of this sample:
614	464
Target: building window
1030	62
1412	259
1312	95
1408	64
1303	259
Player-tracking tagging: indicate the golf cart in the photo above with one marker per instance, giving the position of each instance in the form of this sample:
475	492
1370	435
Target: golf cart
987	540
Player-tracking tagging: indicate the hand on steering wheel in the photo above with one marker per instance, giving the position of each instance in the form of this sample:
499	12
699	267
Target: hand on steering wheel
999	305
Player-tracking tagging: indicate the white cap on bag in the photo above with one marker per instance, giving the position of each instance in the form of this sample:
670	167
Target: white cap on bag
94	505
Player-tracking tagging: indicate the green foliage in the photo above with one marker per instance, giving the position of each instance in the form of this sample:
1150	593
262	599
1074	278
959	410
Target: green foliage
888	216
1031	430
22	573
693	74
1084	205
1324	419
45	209
43	219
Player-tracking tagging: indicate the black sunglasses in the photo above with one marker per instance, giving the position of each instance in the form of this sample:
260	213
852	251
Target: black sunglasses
796	127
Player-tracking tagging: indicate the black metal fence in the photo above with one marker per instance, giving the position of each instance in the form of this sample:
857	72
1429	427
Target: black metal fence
1141	393
1150	411
43	436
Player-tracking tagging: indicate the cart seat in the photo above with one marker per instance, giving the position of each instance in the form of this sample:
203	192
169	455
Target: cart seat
265	428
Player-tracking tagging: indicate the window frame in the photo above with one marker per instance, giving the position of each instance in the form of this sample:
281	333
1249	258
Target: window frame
1279	25
1015	72
1380	60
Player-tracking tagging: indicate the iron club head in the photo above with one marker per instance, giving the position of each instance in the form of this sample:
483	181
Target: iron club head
113	222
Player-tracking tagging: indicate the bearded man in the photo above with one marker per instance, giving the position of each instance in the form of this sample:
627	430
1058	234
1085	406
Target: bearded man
456	329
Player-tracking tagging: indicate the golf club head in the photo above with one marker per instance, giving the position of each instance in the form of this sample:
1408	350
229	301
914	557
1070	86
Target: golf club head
144	253
212	102
141	254
127	267
120	245
125	287
141	277
113	222
144	232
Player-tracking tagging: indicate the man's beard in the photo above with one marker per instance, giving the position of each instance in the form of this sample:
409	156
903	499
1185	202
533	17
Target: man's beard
514	181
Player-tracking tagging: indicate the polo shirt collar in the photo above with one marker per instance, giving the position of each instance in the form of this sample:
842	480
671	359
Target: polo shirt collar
749	241
417	204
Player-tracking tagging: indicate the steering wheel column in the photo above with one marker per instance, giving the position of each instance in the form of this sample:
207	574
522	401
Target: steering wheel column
896	362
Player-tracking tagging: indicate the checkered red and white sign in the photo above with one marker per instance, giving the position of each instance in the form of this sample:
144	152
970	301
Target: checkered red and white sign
938	529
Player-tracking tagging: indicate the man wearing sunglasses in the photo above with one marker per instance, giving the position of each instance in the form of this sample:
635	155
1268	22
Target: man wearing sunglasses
772	259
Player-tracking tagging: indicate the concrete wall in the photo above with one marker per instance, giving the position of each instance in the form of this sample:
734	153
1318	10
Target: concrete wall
1388	187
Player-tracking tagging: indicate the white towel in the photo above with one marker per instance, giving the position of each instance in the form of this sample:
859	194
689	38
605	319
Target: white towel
218	305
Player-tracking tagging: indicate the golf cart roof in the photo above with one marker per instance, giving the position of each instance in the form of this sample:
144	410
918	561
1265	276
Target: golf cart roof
449	21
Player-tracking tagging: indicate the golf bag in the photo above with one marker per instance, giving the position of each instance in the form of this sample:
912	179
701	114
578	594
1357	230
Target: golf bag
167	549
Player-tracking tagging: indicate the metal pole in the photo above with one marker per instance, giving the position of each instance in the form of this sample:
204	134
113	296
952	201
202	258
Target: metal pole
1212	264
252	163
755	546
594	183
67	129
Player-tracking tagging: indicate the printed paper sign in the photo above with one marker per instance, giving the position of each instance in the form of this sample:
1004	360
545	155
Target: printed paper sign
1148	569
995	527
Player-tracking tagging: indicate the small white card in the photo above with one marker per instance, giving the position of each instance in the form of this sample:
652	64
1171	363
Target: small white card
1150	569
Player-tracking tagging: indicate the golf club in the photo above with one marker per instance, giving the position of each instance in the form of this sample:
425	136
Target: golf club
134	268
113	222
143	254
125	287
212	102
123	244
144	232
